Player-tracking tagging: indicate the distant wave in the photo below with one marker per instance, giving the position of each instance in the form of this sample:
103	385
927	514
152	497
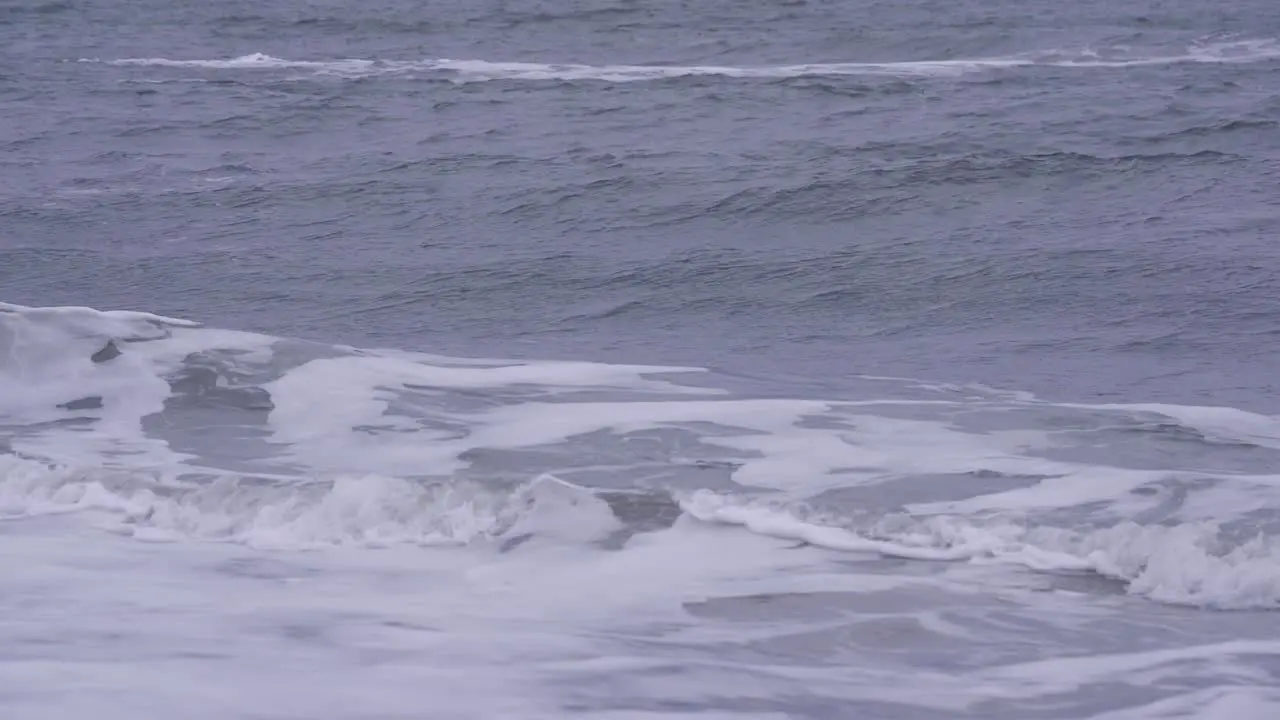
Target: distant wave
1246	51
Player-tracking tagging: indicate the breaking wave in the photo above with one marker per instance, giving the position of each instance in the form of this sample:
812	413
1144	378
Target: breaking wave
1239	51
160	429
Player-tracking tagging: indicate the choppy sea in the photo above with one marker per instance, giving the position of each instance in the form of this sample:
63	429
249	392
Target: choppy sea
381	360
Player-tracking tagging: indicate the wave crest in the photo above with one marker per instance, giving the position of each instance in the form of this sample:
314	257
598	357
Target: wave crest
1238	51
1193	563
368	511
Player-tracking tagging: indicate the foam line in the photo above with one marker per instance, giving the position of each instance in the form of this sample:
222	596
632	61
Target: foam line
1242	51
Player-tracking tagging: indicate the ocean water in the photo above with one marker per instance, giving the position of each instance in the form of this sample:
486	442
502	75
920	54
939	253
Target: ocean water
890	360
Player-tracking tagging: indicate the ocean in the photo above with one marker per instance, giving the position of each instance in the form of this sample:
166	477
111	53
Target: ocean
809	359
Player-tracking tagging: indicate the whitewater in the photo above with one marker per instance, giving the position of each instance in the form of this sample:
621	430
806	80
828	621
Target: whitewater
214	523
410	359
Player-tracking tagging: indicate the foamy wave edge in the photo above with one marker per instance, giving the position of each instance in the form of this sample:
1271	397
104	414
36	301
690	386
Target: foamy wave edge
1185	564
362	511
1245	51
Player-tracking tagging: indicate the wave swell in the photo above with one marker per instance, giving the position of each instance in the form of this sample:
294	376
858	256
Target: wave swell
1240	51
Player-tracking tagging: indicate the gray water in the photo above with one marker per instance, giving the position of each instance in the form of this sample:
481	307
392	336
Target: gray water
957	324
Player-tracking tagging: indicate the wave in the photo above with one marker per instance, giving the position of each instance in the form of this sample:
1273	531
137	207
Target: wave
250	61
159	428
1238	52
283	513
1192	564
1196	564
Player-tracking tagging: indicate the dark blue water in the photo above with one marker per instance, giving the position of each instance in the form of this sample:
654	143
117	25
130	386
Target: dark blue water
1081	203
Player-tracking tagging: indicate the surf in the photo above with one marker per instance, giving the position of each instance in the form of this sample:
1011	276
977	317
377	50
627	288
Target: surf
207	435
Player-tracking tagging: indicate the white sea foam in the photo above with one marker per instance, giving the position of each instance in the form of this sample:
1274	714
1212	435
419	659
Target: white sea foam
775	447
1237	51
47	366
492	70
253	61
367	511
1222	424
445	556
346	431
1188	563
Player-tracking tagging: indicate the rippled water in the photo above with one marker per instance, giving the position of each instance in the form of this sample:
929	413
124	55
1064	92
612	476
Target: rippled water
844	359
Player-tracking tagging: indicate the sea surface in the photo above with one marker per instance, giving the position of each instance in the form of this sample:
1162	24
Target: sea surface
526	360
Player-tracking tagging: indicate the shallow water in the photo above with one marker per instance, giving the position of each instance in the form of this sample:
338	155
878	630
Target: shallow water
847	360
